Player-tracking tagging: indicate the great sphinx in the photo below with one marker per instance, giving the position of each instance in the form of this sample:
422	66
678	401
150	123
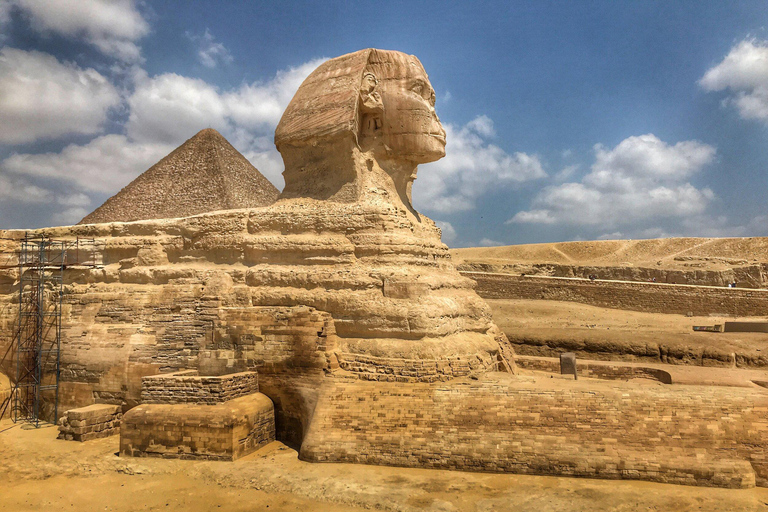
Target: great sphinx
340	278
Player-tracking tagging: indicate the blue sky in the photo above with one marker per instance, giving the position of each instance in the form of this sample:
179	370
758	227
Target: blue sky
565	120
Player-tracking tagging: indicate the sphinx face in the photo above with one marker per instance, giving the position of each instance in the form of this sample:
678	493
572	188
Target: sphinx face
410	127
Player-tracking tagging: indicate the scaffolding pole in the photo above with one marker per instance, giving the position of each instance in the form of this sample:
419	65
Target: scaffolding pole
37	342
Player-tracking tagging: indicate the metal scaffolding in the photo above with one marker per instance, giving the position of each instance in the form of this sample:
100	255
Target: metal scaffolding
37	336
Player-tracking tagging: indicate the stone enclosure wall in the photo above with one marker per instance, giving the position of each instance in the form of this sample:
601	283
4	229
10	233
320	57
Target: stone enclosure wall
674	434
646	297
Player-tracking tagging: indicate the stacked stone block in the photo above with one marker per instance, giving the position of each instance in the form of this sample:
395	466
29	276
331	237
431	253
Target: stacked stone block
189	387
92	422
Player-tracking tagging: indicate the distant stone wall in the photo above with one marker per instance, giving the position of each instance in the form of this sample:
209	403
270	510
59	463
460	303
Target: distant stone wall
188	387
673	434
745	276
646	297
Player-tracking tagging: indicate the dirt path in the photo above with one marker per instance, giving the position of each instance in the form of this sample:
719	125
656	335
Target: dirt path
42	472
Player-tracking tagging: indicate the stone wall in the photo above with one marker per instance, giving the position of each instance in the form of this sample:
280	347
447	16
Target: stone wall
745	276
675	434
187	431
189	387
646	297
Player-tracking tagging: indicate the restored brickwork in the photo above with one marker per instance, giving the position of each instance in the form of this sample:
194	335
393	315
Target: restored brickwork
677	434
413	370
91	422
647	297
189	387
214	432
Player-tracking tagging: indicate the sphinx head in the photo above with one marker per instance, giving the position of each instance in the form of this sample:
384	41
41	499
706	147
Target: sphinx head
360	122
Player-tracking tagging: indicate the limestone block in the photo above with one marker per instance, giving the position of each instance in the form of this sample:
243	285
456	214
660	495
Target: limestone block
225	431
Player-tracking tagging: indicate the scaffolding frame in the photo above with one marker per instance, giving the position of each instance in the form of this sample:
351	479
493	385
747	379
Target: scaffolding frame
37	336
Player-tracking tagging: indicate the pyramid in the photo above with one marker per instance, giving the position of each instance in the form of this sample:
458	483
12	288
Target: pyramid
202	175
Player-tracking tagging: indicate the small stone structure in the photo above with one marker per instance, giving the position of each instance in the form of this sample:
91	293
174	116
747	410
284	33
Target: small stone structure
91	422
189	387
568	364
745	327
189	416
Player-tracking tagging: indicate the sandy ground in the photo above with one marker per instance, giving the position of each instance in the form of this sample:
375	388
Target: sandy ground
40	471
618	334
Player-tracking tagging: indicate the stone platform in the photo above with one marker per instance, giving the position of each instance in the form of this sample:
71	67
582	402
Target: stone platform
225	431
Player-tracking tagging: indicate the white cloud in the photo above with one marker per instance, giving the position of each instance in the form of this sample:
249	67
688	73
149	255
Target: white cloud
642	178
487	242
210	52
69	216
20	190
471	167
449	233
44	98
566	172
113	26
744	71
105	165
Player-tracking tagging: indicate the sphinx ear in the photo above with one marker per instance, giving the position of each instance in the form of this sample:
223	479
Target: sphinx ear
370	99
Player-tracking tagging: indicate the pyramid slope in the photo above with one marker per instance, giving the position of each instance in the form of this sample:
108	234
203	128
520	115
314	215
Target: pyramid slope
202	175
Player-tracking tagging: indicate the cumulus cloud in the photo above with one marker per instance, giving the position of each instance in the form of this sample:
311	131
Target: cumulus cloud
488	242
472	166
744	73
105	165
210	52
168	107
112	26
449	233
44	98
641	178
65	207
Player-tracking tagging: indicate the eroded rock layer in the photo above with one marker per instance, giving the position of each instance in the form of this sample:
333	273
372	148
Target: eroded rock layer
298	290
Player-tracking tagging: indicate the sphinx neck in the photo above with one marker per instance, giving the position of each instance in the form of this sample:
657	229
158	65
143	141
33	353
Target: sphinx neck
399	176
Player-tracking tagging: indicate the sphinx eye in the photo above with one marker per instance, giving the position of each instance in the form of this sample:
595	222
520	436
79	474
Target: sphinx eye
418	88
